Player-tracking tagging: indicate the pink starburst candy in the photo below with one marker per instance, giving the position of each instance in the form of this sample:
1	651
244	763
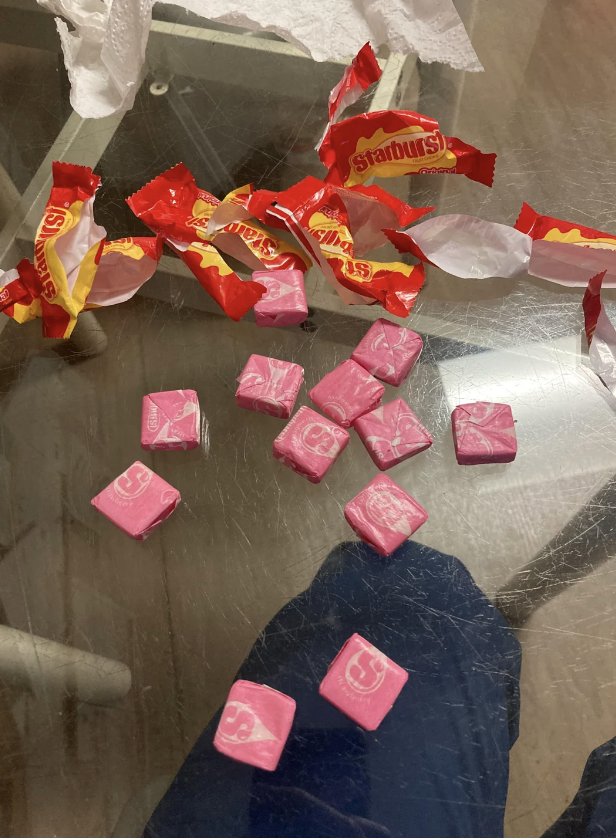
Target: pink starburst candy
346	393
310	444
392	433
255	725
363	683
137	501
484	432
284	303
170	420
388	351
384	515
269	386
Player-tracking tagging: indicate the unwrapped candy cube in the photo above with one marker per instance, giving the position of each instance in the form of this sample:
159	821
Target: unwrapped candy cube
383	515
484	432
346	393
310	444
170	420
137	501
392	433
284	303
363	683
255	725
388	351
269	386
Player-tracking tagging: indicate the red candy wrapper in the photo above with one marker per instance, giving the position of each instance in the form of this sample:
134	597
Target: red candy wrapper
392	143
75	268
21	286
357	77
324	219
174	207
600	334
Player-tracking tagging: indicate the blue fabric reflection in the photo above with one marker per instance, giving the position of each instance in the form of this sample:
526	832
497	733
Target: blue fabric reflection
438	765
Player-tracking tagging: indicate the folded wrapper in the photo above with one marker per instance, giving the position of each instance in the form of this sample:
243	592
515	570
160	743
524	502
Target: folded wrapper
284	303
600	334
346	393
336	226
363	683
357	77
74	266
388	351
310	444
392	433
171	421
176	209
137	501
269	386
393	143
384	515
483	432
470	248
255	725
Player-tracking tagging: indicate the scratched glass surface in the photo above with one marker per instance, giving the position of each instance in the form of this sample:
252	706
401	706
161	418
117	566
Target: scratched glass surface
90	744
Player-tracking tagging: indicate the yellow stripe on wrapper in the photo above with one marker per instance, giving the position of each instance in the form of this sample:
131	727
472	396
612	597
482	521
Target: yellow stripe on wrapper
401	152
56	222
23	314
575	237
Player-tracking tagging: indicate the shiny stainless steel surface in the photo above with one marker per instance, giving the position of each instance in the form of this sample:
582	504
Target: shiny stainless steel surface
182	609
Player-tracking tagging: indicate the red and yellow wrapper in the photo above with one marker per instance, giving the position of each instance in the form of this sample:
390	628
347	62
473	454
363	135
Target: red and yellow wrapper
392	143
316	213
176	209
545	228
124	266
67	248
20	296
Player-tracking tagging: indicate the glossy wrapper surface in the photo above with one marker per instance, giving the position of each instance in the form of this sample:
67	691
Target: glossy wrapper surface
363	683
392	433
137	501
483	432
347	392
310	444
384	515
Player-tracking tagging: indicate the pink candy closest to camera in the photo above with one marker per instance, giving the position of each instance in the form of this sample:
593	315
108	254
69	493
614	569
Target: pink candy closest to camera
284	303
384	515
392	433
269	386
388	351
170	420
137	501
255	725
346	393
484	432
310	444
363	683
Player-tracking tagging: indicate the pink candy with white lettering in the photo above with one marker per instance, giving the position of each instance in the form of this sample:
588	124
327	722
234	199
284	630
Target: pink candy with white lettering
137	501
255	725
384	515
484	432
284	303
392	433
346	393
310	444
388	351
170	420
363	683
269	386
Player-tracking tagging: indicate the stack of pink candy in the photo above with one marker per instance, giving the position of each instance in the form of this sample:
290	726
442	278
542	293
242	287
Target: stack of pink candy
382	514
138	501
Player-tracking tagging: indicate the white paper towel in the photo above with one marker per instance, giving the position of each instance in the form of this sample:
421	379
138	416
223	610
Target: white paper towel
105	52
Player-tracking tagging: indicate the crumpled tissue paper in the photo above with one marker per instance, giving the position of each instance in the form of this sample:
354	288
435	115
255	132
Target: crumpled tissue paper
106	49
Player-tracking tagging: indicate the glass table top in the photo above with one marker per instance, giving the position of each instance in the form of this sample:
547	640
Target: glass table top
153	633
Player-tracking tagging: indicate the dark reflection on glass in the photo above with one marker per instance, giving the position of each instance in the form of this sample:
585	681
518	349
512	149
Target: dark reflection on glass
437	766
